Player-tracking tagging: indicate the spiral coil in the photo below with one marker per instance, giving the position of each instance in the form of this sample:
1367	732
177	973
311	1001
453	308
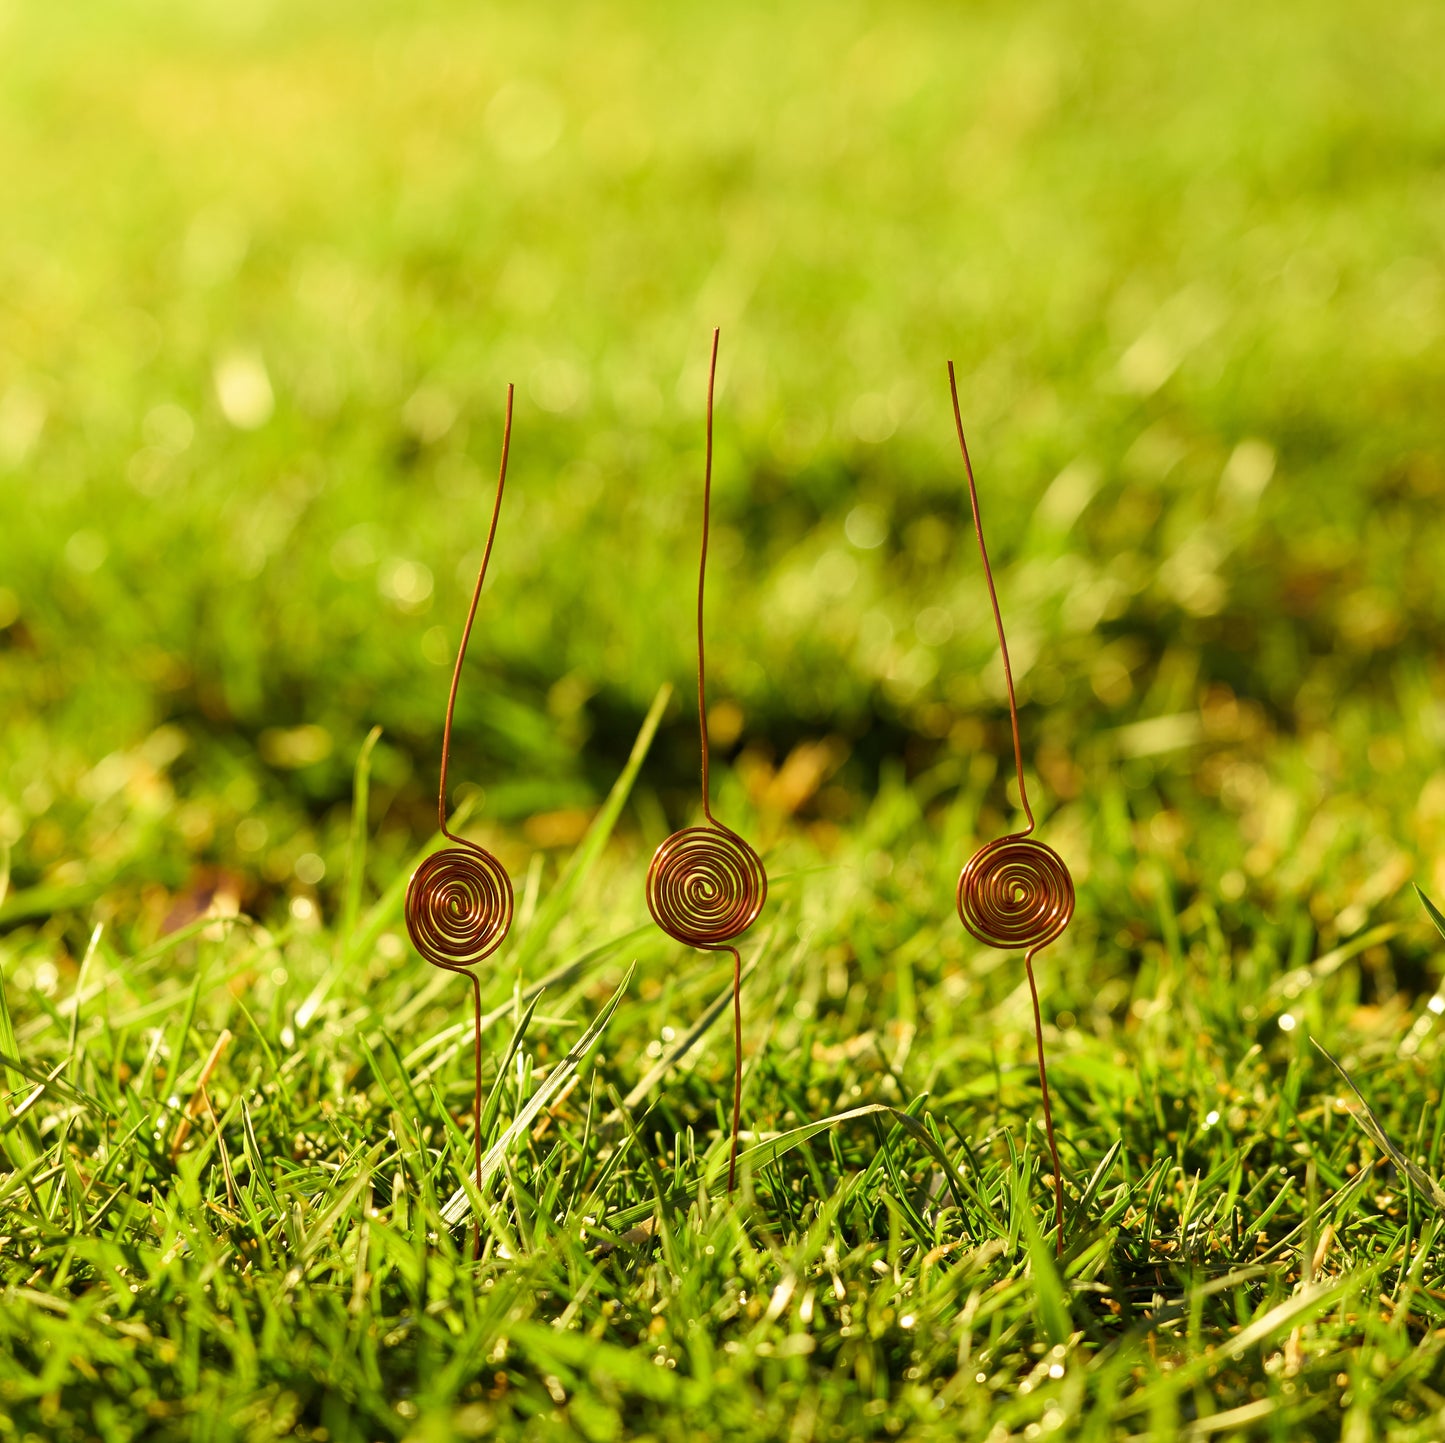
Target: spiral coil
458	907
1016	893
706	886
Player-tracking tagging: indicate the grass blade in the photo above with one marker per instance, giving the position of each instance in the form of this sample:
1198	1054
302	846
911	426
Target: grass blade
1050	1301
1435	914
46	901
764	1154
1424	1184
356	843
383	912
52	1081
457	1205
679	1049
585	857
1081	1209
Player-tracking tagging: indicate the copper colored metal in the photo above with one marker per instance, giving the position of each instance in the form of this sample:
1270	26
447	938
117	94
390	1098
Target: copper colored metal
459	901
1015	891
706	886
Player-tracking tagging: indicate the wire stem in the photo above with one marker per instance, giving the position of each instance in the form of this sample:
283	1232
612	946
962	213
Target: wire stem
477	1103
471	617
1008	676
1048	1109
737	1063
702	578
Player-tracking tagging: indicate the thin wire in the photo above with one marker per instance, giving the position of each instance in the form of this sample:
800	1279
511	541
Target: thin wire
1008	676
1048	1109
737	1063
702	734
706	886
1015	892
702	731
476	1101
476	865
467	630
702	579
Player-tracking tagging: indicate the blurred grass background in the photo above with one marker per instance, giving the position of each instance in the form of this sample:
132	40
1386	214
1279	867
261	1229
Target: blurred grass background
264	272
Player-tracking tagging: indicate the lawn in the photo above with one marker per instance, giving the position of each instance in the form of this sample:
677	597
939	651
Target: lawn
265	272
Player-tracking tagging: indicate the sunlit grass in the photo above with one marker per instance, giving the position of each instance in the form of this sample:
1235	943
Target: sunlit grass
230	1156
264	273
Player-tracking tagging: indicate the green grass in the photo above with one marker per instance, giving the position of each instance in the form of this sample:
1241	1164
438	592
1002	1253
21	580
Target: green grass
264	272
1239	1260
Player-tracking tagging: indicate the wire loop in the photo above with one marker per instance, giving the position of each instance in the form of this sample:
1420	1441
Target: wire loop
706	886
458	907
1015	893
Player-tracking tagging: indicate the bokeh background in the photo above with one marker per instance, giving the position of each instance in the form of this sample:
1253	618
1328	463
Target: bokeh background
265	271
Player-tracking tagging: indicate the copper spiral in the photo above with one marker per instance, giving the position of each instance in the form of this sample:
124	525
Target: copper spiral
1015	892
706	886
459	900
458	906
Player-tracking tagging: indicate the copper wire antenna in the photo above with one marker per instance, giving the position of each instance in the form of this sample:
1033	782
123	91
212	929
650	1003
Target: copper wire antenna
1015	891
459	900
706	886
